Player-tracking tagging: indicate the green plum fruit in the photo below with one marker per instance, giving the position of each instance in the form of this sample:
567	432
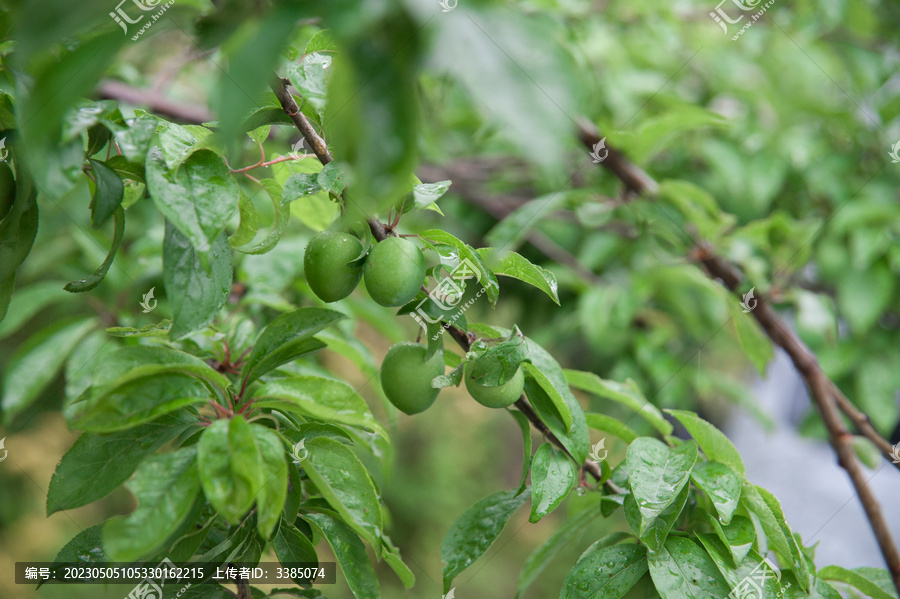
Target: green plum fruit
328	267
394	271
498	396
406	377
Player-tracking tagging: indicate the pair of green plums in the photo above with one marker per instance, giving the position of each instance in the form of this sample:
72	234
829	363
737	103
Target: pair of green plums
394	269
406	379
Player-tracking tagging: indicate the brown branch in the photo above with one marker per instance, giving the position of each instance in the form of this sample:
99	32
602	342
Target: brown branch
154	101
319	148
823	391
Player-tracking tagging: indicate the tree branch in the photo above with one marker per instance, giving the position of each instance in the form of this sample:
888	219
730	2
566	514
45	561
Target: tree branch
155	101
318	145
380	232
823	391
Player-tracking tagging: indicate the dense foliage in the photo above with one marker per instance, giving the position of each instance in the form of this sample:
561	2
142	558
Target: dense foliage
193	356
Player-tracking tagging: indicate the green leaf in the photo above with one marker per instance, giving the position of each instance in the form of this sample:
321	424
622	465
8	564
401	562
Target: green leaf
755	342
484	275
350	553
324	399
286	338
230	467
154	329
874	582
95	279
135	140
271	497
626	394
657	132
499	364
36	363
392	557
300	185
140	399
373	106
97	464
343	480
126	169
525	428
6	290
178	142
575	439
518	267
761	503
533	373
605	572
28	301
738	536
322	41
291	545
426	194
683	570
86	547
509	233
251	54
655	535
196	293
721	485
165	486
249	225
552	477
18	227
541	557
656	475
751	574
711	440
310	78
282	217
475	531
108	193
505	92
608	424
198	199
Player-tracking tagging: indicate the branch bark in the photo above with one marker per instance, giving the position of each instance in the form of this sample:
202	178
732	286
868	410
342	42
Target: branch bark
824	392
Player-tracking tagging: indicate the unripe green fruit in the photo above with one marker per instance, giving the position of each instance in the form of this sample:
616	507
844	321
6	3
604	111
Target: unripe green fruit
327	267
499	396
406	379
394	271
